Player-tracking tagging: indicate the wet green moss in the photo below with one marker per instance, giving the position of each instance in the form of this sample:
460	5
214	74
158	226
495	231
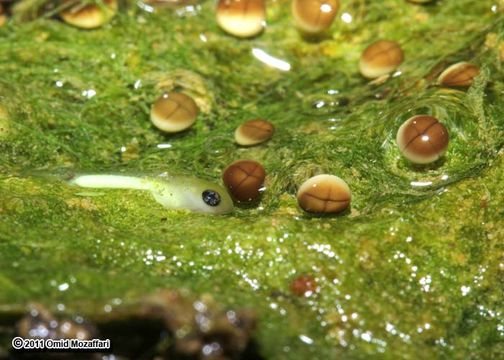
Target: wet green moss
403	257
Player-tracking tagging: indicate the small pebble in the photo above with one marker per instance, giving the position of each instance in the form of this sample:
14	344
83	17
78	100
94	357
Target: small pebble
244	179
173	112
460	74
89	16
314	16
324	194
422	139
241	18
254	132
304	285
380	58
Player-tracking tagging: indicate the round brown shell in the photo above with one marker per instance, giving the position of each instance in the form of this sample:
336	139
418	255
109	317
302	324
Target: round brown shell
460	74
241	18
314	16
254	132
244	179
380	58
89	16
422	139
324	194
174	112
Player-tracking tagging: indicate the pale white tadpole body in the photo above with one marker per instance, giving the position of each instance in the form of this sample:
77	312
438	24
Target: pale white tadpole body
171	192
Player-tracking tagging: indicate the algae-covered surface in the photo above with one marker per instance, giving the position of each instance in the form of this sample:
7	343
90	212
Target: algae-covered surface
414	270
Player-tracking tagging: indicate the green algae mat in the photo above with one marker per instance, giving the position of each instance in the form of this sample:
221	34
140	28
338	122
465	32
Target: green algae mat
412	270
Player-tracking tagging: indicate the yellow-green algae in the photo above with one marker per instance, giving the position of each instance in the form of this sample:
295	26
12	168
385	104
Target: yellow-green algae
413	271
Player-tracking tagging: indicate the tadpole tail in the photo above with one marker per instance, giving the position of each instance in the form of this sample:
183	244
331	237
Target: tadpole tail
104	181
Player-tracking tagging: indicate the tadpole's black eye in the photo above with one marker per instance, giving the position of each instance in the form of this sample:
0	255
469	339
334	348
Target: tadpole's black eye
211	198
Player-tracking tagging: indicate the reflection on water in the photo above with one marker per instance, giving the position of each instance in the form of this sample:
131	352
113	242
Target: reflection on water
346	18
271	61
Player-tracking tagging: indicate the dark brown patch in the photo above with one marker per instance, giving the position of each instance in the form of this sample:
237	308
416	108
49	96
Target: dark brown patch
303	285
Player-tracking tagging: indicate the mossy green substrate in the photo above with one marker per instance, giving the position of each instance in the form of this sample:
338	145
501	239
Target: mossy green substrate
414	271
